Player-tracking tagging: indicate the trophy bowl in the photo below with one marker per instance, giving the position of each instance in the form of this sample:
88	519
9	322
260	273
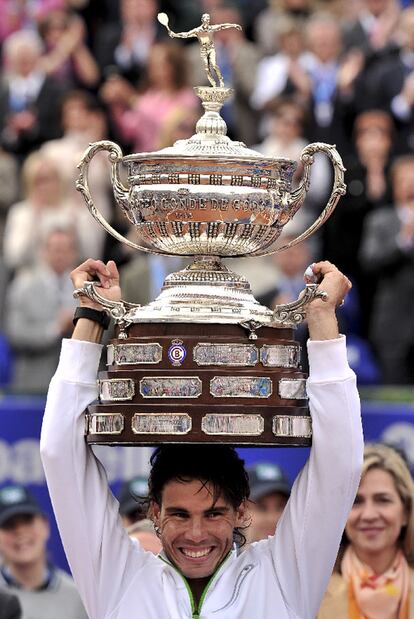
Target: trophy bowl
209	195
221	204
190	205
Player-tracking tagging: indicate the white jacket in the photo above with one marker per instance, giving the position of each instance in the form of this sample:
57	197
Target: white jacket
283	577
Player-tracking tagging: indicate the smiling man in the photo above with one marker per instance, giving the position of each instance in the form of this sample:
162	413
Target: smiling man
25	571
199	494
199	506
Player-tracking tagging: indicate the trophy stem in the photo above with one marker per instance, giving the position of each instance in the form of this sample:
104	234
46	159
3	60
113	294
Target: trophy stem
208	271
212	100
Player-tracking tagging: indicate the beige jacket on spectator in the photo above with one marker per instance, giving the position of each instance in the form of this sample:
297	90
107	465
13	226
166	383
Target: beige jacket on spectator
335	602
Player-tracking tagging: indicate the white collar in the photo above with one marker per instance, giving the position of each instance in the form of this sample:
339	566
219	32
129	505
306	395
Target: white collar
29	85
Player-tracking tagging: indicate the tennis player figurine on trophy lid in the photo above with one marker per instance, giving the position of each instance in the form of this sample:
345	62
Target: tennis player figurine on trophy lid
204	361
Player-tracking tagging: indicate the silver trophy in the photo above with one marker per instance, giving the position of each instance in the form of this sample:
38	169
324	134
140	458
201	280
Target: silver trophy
210	198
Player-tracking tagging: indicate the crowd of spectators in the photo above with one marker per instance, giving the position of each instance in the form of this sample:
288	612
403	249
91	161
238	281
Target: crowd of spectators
78	71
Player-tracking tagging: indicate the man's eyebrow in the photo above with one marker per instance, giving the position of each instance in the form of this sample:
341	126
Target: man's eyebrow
217	508
172	509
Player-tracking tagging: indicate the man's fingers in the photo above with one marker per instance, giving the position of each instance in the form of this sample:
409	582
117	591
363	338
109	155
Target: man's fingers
323	267
90	270
317	270
310	276
113	271
330	279
93	267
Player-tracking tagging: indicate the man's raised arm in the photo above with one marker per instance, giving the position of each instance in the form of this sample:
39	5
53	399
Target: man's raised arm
183	35
218	27
85	509
308	535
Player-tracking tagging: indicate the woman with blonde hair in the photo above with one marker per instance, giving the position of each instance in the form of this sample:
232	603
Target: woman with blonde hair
374	573
46	205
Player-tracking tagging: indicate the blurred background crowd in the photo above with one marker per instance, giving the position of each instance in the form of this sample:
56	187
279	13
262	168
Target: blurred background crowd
77	71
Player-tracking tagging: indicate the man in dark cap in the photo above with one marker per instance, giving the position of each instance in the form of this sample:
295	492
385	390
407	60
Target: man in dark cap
269	493
133	509
9	606
133	505
41	588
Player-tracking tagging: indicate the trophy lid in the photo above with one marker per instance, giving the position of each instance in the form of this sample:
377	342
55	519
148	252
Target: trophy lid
211	139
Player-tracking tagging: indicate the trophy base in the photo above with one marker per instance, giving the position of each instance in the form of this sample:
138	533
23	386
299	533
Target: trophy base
206	291
201	383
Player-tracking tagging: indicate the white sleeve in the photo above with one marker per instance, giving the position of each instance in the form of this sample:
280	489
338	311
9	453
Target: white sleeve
307	538
271	78
401	108
85	509
21	236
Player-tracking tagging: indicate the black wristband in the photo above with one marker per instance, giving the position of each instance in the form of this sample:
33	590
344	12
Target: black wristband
98	316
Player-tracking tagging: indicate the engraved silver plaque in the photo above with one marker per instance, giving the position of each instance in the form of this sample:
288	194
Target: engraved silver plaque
170	387
116	389
241	387
155	423
280	356
292	426
225	354
292	388
106	423
231	425
126	354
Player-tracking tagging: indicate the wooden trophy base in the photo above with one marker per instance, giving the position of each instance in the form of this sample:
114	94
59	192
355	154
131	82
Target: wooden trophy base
201	383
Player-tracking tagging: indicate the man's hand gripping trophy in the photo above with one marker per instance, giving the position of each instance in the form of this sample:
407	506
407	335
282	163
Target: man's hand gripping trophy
204	34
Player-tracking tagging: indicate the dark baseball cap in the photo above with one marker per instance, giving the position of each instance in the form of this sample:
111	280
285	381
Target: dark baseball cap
133	495
15	501
267	478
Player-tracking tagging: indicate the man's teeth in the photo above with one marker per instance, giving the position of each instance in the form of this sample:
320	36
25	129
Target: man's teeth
196	554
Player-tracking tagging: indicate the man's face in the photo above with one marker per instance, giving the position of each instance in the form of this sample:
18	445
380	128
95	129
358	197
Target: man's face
75	115
403	184
377	7
196	532
266	512
23	60
407	28
142	11
61	252
324	41
23	539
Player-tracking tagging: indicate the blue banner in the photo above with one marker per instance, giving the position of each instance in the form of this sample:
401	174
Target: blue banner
21	419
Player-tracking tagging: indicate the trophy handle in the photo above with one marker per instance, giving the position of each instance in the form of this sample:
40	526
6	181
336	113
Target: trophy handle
289	314
116	309
120	191
298	196
294	313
